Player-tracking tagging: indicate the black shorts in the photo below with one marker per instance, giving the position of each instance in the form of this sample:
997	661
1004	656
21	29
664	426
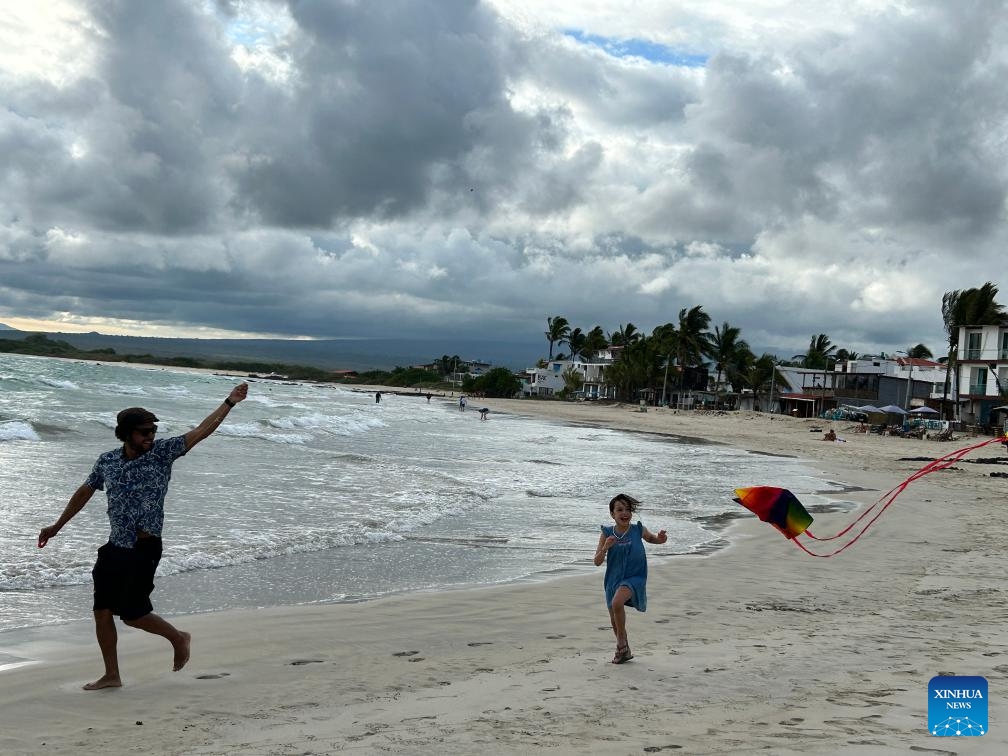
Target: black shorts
124	578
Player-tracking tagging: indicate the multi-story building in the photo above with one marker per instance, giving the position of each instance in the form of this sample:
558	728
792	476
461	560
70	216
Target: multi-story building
982	372
548	379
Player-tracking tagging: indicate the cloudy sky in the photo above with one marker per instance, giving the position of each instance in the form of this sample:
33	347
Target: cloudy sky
335	168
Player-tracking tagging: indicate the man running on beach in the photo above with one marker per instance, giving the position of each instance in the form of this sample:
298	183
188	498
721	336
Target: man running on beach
135	479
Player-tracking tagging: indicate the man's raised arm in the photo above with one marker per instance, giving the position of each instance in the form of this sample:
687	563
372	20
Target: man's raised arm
215	418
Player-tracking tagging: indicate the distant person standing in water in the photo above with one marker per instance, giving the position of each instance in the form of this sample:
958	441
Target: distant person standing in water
377	397
462	403
484	412
135	480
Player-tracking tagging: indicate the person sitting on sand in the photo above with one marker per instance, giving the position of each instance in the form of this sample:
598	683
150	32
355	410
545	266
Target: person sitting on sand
830	435
135	479
622	547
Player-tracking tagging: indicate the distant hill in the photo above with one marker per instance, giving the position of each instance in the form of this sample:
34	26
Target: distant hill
5	327
329	354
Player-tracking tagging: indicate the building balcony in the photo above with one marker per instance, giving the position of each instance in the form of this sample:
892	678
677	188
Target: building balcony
978	389
973	354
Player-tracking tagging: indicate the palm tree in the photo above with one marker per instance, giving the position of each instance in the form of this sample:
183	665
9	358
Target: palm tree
759	375
694	342
666	338
557	329
820	352
595	341
919	352
625	335
725	346
951	315
447	364
638	366
843	355
576	340
962	307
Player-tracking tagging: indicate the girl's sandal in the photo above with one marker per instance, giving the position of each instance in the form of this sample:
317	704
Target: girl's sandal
622	655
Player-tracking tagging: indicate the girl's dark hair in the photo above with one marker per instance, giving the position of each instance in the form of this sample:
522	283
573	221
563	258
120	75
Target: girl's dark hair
630	501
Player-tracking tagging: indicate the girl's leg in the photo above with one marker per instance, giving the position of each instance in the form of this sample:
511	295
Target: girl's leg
618	615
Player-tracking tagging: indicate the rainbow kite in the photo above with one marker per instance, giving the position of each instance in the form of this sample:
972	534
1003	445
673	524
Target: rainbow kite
781	508
778	506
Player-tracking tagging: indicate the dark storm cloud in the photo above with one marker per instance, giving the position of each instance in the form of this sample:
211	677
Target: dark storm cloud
391	101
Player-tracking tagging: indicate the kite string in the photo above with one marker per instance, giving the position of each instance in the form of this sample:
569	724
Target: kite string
939	464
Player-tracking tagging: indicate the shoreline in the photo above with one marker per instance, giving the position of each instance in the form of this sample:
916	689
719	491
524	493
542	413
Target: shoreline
752	647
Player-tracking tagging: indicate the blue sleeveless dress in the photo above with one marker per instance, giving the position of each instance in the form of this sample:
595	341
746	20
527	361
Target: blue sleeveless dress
626	564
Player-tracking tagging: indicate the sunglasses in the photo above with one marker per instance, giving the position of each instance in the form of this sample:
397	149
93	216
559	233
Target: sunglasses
150	430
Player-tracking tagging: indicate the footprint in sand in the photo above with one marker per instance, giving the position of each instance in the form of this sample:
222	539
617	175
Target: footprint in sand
555	637
415	659
480	643
213	677
300	662
662	622
405	653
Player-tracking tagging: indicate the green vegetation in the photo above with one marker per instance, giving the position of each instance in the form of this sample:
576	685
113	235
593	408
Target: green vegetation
39	345
499	382
400	376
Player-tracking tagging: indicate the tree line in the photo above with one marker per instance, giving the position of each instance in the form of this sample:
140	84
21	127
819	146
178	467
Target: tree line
660	359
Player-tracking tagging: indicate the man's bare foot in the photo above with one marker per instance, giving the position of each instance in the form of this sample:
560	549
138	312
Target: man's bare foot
181	651
105	681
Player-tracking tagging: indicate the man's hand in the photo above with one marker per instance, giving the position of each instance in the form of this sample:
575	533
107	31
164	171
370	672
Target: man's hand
239	392
45	534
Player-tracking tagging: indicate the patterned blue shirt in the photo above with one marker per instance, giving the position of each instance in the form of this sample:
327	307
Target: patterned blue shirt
136	488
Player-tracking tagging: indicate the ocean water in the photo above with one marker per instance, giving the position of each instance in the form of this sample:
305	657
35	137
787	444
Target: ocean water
312	493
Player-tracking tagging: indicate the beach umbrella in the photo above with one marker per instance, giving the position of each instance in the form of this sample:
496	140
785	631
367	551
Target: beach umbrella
924	411
892	409
869	409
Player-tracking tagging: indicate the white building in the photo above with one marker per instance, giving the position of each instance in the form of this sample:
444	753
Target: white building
593	373
548	380
983	372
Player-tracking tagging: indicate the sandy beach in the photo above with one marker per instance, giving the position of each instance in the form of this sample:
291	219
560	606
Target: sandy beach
753	648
